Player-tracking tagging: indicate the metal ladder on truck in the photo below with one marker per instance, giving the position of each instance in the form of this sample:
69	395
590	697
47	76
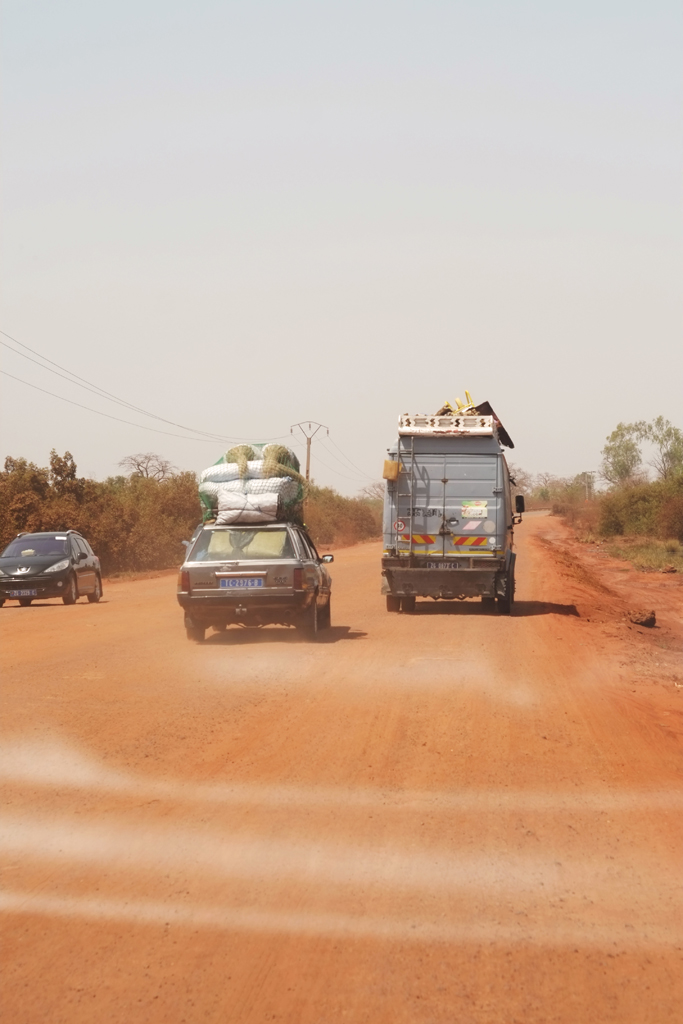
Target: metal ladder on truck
409	476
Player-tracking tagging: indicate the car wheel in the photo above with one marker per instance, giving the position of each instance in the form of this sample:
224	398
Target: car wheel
393	603
2	601
25	601
196	633
408	605
71	594
325	616
97	592
309	621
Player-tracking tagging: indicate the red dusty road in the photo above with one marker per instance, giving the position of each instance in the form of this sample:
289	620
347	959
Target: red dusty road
446	817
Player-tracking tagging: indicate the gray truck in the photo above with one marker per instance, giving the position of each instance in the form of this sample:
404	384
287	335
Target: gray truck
448	510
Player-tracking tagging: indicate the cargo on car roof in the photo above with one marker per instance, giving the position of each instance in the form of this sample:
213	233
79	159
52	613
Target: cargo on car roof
253	483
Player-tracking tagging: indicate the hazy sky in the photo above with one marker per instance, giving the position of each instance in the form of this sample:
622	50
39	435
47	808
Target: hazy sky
242	215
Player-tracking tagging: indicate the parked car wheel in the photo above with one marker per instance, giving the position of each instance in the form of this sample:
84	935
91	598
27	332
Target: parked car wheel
70	596
97	592
408	605
196	633
393	603
25	601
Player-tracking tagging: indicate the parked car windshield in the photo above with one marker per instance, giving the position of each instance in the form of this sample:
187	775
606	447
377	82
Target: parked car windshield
234	545
25	547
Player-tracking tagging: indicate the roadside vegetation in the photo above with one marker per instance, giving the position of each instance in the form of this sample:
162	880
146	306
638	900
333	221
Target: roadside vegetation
639	519
136	521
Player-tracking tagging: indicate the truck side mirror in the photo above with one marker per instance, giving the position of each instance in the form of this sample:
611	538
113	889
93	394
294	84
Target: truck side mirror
519	504
327	558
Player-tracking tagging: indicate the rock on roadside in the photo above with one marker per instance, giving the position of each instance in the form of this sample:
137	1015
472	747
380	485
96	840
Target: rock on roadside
640	618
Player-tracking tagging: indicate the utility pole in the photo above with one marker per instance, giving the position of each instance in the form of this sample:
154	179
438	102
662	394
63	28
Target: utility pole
588	482
309	430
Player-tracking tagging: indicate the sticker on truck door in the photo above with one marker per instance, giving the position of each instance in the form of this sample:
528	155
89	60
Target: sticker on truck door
475	509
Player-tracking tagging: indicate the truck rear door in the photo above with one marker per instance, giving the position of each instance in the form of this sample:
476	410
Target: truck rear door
473	504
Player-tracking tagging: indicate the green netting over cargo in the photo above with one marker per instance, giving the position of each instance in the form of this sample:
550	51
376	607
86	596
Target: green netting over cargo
262	480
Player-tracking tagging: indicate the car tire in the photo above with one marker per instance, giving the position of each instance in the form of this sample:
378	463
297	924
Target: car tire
97	592
407	605
25	602
2	601
325	616
71	595
196	633
310	621
393	603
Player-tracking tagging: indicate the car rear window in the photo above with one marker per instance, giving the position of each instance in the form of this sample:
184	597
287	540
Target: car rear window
234	545
25	547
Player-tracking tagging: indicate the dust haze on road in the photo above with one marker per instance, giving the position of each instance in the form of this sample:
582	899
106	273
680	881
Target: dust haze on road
447	816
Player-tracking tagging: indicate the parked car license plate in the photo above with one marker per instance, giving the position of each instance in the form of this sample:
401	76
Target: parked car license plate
23	593
244	581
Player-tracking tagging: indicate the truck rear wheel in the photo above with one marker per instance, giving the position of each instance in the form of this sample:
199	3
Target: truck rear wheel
393	603
505	603
407	605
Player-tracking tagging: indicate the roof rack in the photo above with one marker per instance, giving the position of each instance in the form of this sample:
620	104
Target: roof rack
454	426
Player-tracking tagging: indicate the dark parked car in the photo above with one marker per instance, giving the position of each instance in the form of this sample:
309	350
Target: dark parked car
36	566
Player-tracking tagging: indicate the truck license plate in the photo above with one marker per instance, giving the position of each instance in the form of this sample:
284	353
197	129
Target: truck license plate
245	581
23	593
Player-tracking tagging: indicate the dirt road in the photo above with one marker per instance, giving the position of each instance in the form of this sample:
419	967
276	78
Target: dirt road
446	817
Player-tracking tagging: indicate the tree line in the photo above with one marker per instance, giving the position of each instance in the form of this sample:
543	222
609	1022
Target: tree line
631	503
137	520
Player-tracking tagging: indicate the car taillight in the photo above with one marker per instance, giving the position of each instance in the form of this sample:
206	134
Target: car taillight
298	583
184	581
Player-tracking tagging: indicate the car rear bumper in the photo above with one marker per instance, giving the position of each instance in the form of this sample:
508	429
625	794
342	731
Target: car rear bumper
245	606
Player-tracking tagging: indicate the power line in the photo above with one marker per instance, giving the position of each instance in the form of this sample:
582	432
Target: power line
98	412
101	393
332	469
352	464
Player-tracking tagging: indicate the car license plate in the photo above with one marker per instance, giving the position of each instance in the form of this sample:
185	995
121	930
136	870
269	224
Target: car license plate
243	582
23	593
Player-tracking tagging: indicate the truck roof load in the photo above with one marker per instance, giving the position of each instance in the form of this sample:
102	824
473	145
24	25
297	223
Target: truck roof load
475	421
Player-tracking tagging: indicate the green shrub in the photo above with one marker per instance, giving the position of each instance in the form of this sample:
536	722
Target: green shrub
334	519
652	509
